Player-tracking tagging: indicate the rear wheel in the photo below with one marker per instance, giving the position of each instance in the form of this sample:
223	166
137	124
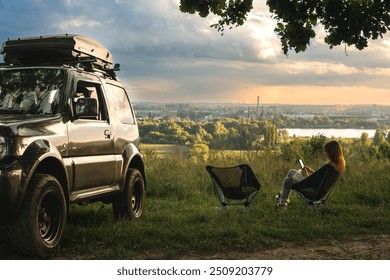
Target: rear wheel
38	229
130	203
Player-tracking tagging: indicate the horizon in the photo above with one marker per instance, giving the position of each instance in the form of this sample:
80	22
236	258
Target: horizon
261	104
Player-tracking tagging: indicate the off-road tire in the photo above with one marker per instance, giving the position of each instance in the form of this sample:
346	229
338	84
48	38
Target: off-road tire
38	229
130	203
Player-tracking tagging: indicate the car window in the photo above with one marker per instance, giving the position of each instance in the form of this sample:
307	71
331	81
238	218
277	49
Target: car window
120	103
87	89
31	91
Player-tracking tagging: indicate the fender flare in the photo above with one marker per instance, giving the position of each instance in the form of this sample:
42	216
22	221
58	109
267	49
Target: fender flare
36	153
132	157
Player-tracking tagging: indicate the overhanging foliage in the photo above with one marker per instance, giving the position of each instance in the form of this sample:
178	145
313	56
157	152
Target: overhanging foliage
350	22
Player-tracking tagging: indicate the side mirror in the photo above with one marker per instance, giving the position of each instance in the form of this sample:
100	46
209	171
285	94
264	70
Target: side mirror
86	108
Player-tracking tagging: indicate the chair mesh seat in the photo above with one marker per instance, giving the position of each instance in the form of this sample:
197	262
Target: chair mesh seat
316	188
238	184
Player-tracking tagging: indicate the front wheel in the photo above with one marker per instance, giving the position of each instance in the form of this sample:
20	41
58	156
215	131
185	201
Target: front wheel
38	229
130	203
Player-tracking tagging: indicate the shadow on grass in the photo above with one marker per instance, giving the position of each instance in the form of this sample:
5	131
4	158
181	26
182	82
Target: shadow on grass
7	252
82	217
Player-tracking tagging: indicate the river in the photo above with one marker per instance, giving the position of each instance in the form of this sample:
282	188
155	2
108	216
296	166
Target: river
330	132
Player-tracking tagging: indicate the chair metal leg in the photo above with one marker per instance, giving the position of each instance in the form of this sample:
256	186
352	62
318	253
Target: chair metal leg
304	209
327	207
315	206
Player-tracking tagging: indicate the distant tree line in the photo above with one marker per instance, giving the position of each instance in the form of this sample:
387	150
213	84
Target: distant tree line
232	134
221	134
283	121
363	149
330	122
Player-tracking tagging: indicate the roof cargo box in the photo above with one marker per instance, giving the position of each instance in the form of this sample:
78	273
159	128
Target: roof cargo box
55	49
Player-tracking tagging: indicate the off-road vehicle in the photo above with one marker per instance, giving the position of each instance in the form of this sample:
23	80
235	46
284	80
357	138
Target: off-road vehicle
68	134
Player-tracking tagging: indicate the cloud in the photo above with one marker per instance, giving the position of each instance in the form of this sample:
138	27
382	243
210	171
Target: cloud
75	22
167	55
316	67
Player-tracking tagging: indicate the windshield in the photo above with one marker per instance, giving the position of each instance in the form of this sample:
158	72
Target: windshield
31	91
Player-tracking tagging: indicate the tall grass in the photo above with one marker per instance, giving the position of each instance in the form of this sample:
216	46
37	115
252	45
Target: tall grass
182	214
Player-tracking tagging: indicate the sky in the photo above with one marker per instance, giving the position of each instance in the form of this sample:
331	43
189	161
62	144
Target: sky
169	56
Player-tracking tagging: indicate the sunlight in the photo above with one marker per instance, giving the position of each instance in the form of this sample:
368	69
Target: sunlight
317	67
315	95
266	43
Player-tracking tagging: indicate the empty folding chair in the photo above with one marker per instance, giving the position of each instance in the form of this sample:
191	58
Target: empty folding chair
235	185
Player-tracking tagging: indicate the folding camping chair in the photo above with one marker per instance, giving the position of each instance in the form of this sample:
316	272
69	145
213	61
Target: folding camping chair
324	179
235	185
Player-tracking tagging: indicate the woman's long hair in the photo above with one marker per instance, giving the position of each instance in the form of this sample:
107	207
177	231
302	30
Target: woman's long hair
335	154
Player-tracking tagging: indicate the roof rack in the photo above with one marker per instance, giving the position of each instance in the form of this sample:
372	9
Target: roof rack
84	64
88	65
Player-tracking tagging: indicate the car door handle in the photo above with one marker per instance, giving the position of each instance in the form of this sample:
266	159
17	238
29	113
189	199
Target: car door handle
107	134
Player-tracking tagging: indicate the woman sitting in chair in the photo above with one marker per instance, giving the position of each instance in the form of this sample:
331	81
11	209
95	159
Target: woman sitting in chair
336	162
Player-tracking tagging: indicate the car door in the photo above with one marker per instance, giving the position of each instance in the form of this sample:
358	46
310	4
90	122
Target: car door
91	145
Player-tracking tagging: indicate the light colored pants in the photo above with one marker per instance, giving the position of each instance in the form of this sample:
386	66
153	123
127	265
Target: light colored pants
293	176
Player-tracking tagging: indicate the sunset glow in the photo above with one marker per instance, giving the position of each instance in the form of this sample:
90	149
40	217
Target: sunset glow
169	56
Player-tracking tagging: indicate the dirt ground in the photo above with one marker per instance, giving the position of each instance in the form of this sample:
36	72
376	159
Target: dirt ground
367	247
